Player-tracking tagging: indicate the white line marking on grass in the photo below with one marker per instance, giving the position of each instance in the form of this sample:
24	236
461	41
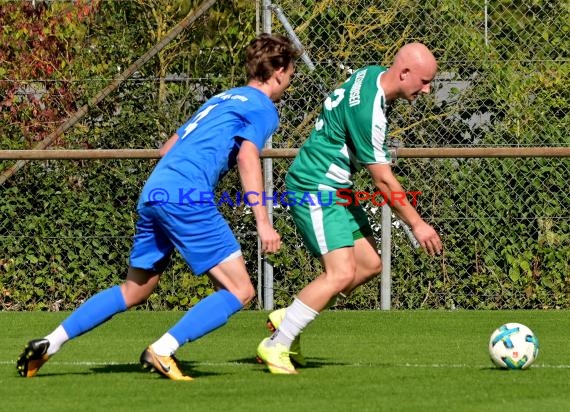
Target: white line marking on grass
358	364
112	363
78	363
445	366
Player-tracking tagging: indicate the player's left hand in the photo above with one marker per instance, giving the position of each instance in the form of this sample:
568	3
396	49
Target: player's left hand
428	238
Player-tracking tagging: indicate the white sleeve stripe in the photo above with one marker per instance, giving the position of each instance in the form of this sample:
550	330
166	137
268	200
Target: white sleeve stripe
379	127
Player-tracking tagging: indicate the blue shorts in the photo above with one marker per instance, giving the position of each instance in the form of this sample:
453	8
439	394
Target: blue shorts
197	231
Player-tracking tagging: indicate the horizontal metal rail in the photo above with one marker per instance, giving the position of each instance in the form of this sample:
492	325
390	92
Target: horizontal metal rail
400	153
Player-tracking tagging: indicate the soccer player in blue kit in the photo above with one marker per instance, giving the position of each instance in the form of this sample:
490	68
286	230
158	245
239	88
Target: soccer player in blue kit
230	128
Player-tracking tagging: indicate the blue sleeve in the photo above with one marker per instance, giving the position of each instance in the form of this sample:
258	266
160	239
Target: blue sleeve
182	129
258	126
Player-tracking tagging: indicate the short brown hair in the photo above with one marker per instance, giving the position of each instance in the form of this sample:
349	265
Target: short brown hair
267	53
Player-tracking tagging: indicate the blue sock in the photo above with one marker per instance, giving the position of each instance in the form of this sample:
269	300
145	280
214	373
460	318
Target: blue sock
96	310
209	314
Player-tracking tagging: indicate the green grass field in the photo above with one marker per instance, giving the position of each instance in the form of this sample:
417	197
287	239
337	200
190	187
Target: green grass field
358	361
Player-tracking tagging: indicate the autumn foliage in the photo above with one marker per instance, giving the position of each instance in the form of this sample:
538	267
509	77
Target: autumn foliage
38	44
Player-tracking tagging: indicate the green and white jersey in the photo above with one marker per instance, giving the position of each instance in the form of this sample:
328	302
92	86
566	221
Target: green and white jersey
351	131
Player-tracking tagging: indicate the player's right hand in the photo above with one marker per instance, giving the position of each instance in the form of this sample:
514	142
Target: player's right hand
270	239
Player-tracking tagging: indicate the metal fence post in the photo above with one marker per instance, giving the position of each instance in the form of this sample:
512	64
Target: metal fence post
386	250
267	270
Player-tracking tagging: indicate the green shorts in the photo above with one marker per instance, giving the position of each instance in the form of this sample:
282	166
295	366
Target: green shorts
324	224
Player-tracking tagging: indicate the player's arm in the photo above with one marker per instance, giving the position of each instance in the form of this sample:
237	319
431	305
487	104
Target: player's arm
168	144
249	167
387	183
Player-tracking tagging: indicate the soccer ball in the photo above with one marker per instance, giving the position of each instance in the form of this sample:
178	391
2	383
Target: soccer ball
513	346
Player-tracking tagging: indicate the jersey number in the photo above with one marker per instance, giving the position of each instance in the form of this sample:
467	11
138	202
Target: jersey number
194	124
333	101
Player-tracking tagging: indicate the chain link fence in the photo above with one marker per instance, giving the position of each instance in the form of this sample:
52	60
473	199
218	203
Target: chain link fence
66	226
503	75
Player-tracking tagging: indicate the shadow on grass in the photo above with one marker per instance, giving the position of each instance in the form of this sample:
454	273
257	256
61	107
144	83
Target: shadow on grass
43	375
187	368
503	370
312	363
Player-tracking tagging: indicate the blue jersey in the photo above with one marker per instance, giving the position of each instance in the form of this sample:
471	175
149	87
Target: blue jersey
208	145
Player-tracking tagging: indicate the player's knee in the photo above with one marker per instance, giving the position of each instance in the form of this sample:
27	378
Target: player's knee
245	293
369	269
374	268
139	286
341	278
134	297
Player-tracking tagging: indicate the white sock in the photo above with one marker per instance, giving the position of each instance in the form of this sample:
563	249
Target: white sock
166	345
57	338
297	317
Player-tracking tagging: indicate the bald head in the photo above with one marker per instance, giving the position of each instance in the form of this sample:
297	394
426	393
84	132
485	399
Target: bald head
412	72
416	55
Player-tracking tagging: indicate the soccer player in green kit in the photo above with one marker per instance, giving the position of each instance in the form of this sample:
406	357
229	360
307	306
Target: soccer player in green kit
350	133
